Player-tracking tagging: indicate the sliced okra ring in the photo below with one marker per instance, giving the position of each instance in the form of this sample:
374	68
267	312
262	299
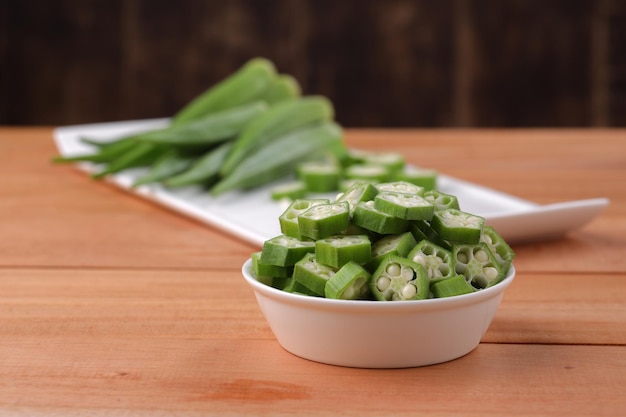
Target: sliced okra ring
437	261
294	287
393	161
319	176
368	172
350	282
458	226
323	220
478	264
285	250
404	206
292	190
426	178
500	249
422	230
359	191
398	244
399	279
442	201
449	287
261	269
312	274
368	217
289	218
401	187
336	251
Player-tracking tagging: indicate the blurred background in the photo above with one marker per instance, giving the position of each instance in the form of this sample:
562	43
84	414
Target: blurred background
383	63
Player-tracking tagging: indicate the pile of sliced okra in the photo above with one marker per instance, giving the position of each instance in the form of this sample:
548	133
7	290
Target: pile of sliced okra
386	241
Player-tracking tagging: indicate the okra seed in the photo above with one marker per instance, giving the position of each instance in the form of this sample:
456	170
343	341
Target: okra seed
383	283
462	257
393	269
490	272
481	256
409	291
419	259
407	274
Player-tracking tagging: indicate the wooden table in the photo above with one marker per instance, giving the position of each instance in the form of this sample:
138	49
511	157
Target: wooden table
111	305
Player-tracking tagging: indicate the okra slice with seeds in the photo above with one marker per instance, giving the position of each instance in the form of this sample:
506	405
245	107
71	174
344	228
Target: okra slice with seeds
437	261
312	274
426	178
323	220
398	244
319	176
336	251
394	162
458	226
285	250
450	287
422	230
404	206
358	192
478	264
368	217
350	282
289	218
500	249
292	190
368	172
261	269
442	201
399	279
400	187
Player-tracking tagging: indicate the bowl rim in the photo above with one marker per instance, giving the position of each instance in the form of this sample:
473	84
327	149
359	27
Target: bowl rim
372	305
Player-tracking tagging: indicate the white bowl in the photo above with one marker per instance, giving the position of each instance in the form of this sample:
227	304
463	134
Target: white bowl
377	334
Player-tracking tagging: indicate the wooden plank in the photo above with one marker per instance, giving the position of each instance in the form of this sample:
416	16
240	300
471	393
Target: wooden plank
189	376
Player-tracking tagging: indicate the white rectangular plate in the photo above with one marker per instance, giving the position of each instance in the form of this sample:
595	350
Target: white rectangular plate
253	216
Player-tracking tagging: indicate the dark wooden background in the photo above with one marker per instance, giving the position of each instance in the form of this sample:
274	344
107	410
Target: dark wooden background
387	63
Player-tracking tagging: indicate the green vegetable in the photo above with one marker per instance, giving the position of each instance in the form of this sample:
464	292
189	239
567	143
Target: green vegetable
285	87
367	216
312	274
107	153
338	250
457	226
478	264
401	187
404	206
398	244
168	165
284	250
441	201
398	279
324	220
289	218
279	120
292	190
246	85
498	246
368	172
319	176
350	282
359	191
449	287
143	154
280	157
426	178
210	129
203	171
437	261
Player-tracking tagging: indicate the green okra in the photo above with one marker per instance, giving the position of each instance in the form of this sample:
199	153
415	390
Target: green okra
141	155
369	217
281	119
426	178
450	287
245	85
168	165
457	226
285	87
400	187
319	176
210	129
398	244
422	230
368	172
312	274
336	251
261	269
105	154
477	264
399	279
292	190
203	171
288	219
404	206
281	156
284	250
350	282
324	220
437	261
499	247
441	201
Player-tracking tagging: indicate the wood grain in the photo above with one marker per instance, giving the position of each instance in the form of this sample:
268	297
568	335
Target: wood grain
111	305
